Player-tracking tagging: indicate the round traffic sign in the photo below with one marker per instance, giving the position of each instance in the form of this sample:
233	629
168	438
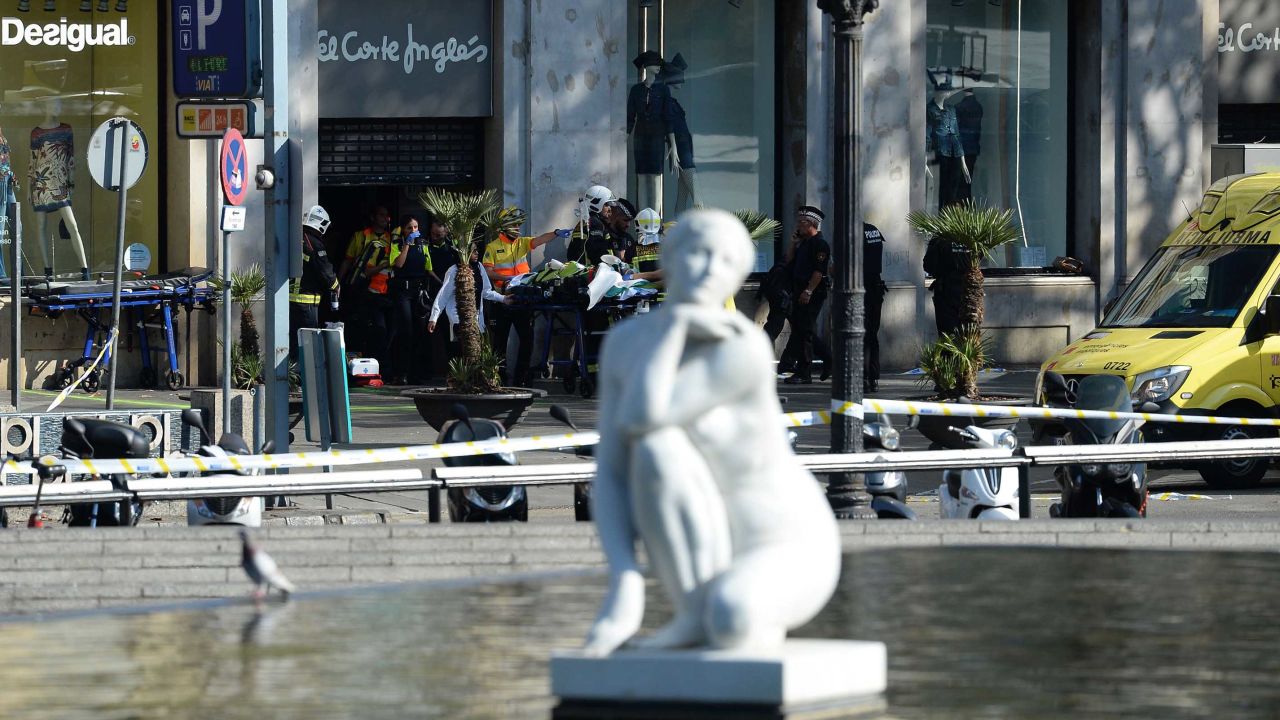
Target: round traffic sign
137	257
117	142
233	167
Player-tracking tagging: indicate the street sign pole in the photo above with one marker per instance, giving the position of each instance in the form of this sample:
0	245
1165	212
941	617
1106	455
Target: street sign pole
15	288
121	126
275	34
226	331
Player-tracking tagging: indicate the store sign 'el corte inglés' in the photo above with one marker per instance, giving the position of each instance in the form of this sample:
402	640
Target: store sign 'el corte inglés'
70	35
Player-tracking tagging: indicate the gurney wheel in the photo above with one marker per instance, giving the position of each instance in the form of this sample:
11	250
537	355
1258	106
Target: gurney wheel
174	380
92	382
148	379
64	379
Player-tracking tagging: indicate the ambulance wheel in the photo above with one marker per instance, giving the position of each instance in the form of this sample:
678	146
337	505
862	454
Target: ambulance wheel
148	379
174	380
1241	472
92	382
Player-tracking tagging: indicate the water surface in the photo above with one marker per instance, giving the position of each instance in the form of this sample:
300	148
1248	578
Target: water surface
975	633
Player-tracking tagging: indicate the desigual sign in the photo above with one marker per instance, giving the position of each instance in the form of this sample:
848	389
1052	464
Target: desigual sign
73	36
433	60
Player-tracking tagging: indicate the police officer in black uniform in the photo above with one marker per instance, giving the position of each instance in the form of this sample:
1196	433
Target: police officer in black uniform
808	255
872	264
947	262
618	215
318	278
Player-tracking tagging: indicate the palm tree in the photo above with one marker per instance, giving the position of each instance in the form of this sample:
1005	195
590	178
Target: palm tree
759	225
247	287
462	214
980	230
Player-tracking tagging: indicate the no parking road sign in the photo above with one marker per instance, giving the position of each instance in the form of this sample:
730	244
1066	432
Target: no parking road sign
233	167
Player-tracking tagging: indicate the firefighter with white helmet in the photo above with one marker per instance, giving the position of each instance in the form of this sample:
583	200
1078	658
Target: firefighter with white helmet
318	277
590	240
648	245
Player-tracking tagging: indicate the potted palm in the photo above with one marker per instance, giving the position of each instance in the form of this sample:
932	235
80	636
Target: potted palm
951	364
474	377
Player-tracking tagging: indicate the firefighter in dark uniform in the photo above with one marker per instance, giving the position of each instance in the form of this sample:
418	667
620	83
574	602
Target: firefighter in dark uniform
872	264
318	278
808	255
592	240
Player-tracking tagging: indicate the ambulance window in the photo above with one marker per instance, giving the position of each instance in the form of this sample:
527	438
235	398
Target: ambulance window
1192	286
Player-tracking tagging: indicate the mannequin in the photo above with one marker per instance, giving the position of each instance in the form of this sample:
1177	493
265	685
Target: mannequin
8	196
969	119
648	111
680	140
943	140
52	175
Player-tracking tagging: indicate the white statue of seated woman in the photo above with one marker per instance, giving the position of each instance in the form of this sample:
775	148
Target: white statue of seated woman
693	458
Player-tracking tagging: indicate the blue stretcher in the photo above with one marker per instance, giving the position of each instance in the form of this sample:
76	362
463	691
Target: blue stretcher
562	319
143	301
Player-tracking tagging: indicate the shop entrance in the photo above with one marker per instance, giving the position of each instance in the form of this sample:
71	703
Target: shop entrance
366	163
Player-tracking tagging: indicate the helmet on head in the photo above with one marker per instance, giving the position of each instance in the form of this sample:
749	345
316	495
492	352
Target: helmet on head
648	222
317	218
510	219
597	196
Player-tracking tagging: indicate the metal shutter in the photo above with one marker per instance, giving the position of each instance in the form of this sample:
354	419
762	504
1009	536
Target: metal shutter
401	151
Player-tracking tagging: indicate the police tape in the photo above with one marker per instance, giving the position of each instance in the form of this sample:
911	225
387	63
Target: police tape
967	410
330	458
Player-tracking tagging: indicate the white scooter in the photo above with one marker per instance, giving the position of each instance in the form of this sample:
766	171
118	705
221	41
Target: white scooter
245	511
981	493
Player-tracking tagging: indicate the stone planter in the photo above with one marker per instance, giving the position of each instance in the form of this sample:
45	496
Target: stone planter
435	405
935	427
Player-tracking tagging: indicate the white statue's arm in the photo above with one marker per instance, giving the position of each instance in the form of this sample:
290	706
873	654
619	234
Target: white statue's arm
623	607
673	394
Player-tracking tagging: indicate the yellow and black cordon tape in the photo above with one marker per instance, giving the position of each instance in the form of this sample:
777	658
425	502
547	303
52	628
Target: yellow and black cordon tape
335	458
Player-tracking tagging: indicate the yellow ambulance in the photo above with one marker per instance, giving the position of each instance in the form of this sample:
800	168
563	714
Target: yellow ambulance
1198	330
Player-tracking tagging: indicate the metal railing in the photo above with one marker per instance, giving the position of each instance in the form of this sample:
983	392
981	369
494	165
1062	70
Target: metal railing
444	478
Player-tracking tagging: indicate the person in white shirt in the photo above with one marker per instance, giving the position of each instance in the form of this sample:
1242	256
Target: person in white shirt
446	303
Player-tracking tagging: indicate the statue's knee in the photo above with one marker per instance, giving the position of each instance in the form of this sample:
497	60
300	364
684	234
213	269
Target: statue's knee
729	618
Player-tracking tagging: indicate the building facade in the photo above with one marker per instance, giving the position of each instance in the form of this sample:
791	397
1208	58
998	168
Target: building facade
1093	121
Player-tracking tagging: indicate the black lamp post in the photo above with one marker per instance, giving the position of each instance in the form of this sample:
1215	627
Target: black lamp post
846	491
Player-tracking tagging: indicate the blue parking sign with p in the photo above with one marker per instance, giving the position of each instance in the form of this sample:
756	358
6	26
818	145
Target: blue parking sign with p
216	48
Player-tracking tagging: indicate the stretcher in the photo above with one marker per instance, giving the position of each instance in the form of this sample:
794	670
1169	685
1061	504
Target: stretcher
576	321
148	303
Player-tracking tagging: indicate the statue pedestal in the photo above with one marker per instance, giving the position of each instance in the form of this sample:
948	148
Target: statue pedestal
826	678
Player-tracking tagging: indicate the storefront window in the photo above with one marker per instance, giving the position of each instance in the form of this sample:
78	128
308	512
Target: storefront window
68	66
972	129
718	70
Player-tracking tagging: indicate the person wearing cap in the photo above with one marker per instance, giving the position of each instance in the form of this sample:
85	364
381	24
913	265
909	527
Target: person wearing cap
808	255
874	287
506	257
318	278
618	215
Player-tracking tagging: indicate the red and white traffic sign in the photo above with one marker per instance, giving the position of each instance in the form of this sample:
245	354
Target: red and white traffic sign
233	167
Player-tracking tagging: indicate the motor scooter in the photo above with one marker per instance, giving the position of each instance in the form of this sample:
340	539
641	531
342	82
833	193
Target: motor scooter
88	438
246	511
980	493
1098	489
888	489
489	503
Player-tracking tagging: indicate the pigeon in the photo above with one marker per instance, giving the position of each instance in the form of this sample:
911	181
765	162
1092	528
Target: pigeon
262	570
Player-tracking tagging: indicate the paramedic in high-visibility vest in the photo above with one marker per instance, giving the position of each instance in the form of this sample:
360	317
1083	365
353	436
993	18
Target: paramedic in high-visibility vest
318	279
506	257
375	238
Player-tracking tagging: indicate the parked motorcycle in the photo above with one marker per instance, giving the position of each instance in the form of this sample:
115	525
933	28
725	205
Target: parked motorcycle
481	504
980	493
90	439
245	511
888	489
1098	489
